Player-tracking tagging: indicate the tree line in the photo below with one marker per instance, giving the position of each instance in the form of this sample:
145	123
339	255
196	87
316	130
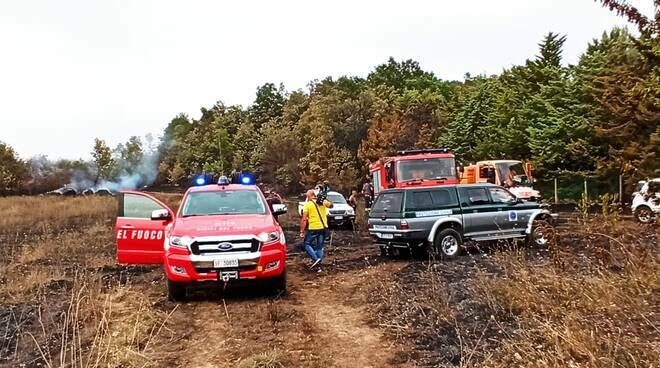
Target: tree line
599	116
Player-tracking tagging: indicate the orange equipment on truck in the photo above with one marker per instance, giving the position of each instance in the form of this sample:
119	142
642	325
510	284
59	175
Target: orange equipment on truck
511	174
430	167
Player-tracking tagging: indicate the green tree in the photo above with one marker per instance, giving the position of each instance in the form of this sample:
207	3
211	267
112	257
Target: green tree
469	121
12	170
130	155
401	75
105	164
620	83
324	161
268	104
278	154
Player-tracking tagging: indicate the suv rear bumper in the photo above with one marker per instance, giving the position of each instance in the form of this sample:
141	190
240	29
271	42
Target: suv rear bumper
398	238
251	265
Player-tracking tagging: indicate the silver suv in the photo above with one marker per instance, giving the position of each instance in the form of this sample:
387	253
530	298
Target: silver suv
444	217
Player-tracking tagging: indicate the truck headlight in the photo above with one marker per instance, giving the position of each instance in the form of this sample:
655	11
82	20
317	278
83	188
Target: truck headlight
180	241
350	211
269	237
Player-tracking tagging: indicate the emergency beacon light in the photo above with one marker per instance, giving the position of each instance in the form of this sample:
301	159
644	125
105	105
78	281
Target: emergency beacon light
202	179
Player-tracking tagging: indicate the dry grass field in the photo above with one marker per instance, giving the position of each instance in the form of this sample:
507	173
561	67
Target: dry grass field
592	299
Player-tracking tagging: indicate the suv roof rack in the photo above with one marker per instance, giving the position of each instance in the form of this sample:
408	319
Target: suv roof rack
422	151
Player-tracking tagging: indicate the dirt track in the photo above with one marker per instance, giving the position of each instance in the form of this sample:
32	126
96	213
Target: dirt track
322	321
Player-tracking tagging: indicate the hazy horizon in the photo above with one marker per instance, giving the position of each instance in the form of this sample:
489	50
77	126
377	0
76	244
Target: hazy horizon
78	70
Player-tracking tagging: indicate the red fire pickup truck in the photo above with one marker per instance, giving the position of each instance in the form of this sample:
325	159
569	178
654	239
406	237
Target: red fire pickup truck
221	232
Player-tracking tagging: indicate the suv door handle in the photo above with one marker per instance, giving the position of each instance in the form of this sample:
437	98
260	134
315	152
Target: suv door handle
127	227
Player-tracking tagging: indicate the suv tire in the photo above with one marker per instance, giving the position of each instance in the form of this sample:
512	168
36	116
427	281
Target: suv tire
542	234
643	215
448	243
278	285
176	291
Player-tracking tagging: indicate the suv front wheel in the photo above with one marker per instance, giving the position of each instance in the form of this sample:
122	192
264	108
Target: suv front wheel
643	214
448	243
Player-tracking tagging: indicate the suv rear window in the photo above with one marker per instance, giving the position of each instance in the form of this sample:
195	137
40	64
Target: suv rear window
388	202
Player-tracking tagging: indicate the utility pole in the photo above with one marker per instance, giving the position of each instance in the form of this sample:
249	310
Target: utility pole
586	193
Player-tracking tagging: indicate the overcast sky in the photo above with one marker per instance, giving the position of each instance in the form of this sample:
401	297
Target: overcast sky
71	71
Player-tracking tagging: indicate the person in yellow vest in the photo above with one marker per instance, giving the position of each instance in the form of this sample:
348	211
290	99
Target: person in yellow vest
313	226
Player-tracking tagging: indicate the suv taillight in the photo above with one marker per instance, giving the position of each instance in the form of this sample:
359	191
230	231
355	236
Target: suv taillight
404	225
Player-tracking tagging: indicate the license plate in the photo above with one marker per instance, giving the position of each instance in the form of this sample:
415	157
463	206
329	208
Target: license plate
225	262
387	236
385	227
339	217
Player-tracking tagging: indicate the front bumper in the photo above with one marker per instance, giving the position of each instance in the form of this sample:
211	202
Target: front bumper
264	264
338	220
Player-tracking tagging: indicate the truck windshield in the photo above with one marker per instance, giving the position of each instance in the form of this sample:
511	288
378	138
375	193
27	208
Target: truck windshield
426	169
512	174
226	202
336	198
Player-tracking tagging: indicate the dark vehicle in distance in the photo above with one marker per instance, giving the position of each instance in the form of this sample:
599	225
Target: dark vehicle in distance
442	218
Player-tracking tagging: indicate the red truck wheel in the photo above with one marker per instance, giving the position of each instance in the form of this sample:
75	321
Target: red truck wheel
176	292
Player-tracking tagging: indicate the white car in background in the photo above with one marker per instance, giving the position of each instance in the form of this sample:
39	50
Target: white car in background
341	213
646	201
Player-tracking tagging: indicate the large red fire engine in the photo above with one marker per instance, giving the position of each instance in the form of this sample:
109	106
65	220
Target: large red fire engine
412	168
221	232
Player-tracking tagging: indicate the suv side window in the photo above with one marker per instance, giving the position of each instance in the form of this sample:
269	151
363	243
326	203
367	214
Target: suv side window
445	197
419	201
501	195
472	196
388	202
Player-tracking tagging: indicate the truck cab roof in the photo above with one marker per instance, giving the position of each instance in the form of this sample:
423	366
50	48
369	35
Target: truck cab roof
218	187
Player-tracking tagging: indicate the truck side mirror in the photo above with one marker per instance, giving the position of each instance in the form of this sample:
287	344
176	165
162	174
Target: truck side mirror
162	215
279	209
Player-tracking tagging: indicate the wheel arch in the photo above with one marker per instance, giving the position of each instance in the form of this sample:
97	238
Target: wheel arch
538	215
450	222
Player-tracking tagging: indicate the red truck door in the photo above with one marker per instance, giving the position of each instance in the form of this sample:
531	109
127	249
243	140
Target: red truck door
140	238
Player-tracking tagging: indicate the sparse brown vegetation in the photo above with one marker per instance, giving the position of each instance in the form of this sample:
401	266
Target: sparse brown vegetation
60	306
592	303
591	300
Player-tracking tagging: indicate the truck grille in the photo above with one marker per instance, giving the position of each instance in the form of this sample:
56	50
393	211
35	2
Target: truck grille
224	246
337	212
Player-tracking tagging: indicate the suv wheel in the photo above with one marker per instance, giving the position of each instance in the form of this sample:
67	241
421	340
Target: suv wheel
176	292
542	233
279	283
448	243
644	215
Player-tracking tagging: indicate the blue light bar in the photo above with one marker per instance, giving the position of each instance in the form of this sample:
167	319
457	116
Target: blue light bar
246	178
200	180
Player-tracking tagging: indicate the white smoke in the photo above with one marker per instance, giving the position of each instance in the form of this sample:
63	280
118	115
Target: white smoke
129	177
144	174
81	180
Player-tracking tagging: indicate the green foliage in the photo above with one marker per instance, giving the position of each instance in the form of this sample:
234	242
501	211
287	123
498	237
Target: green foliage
268	104
129	155
12	170
105	164
601	115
